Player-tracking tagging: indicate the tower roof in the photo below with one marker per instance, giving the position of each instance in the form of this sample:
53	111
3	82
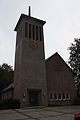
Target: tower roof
23	16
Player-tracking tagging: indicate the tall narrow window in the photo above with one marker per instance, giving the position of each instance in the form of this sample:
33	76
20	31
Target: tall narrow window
67	96
59	96
33	32
36	32
56	97
26	29
29	30
51	97
64	96
40	33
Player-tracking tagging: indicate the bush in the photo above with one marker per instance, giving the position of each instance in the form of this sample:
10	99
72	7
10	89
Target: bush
77	101
9	104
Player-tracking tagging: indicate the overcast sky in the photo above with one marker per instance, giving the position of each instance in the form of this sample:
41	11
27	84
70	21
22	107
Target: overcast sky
62	25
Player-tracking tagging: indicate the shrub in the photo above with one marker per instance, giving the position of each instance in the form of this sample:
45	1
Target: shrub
77	101
9	104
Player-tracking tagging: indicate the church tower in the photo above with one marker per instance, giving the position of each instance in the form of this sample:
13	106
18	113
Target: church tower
30	85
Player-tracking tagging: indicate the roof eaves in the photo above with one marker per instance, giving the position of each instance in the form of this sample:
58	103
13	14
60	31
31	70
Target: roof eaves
28	17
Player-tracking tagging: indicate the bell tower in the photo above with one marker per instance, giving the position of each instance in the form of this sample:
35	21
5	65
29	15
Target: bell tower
30	85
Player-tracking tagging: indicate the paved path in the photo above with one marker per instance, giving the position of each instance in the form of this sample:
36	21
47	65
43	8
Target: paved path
48	113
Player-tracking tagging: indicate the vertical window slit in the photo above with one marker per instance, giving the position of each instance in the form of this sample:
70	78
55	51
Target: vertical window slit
64	97
33	32
56	97
51	96
29	30
40	33
36	32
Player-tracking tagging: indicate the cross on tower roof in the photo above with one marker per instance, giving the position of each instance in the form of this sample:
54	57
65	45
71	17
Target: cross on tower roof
29	12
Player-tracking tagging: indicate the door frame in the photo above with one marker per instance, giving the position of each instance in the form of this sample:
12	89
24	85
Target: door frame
36	91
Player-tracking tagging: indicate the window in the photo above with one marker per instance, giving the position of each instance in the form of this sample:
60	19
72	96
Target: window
59	96
26	29
51	96
29	30
64	96
40	33
56	97
36	32
67	96
33	29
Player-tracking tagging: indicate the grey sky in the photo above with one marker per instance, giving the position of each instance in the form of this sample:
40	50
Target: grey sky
62	25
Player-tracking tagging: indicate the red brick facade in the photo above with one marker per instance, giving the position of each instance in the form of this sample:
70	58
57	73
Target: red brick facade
30	85
60	81
34	82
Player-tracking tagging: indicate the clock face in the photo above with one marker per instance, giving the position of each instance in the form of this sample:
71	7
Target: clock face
33	44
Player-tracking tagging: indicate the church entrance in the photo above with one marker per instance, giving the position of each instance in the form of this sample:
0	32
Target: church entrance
33	98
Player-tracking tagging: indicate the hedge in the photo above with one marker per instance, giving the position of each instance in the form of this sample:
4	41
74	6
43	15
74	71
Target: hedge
9	104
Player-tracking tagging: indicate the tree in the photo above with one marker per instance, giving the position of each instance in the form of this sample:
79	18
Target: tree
74	60
6	75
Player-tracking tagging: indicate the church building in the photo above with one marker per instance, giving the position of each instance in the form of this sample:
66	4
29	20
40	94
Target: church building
38	82
30	85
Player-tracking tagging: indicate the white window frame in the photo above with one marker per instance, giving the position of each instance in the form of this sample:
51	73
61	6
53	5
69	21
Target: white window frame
61	97
64	95
56	96
69	96
50	96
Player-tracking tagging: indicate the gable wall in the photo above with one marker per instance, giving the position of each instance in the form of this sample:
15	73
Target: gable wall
59	81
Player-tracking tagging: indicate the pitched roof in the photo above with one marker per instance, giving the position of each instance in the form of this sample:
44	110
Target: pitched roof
53	56
11	86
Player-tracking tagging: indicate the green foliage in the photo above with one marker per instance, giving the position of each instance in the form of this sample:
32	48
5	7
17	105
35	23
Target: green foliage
6	75
9	104
74	59
76	101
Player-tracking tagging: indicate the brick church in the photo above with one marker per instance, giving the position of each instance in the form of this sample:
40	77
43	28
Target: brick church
39	82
